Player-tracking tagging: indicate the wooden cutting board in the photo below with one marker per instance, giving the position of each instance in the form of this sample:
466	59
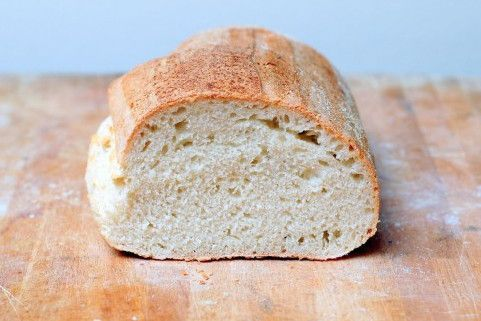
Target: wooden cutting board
423	264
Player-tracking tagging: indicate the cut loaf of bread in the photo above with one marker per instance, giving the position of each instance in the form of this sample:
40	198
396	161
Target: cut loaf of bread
241	143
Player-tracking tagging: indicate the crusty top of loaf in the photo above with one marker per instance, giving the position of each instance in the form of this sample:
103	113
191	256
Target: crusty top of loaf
240	64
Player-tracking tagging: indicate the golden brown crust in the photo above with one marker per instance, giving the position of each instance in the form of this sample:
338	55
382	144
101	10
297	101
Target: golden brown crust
240	64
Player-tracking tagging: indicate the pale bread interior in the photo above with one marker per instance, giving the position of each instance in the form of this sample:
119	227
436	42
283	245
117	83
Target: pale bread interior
221	179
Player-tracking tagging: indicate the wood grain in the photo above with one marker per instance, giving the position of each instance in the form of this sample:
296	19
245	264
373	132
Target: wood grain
424	263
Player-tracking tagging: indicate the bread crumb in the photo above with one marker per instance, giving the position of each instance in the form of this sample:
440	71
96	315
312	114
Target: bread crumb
184	273
206	276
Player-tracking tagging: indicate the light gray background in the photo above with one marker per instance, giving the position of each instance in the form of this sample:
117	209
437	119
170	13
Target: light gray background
398	37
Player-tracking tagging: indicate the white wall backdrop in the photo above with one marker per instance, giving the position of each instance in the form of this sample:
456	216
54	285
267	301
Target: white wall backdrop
401	37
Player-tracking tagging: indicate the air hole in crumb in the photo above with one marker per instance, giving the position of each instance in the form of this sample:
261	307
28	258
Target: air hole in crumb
300	240
308	173
256	160
286	118
337	234
186	142
348	162
314	236
298	201
299	149
173	214
233	191
351	148
180	126
254	252
210	137
264	150
272	124
142	134
325	236
249	130
164	149
180	190
180	110
152	128
232	115
323	190
146	145
283	250
308	136
323	162
357	176
247	215
338	148
154	164
334	155
162	246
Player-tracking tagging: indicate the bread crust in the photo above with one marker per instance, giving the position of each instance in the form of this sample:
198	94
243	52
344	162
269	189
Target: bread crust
247	65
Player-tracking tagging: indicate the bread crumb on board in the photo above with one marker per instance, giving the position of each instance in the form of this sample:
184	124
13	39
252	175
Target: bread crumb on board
205	276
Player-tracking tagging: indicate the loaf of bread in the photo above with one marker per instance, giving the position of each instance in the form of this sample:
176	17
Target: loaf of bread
240	143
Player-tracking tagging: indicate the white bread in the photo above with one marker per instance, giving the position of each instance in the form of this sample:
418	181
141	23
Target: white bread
241	143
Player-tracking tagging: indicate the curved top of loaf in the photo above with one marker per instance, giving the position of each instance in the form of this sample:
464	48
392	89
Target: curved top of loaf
238	64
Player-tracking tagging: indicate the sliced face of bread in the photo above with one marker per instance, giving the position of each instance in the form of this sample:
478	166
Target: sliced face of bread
240	143
218	179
